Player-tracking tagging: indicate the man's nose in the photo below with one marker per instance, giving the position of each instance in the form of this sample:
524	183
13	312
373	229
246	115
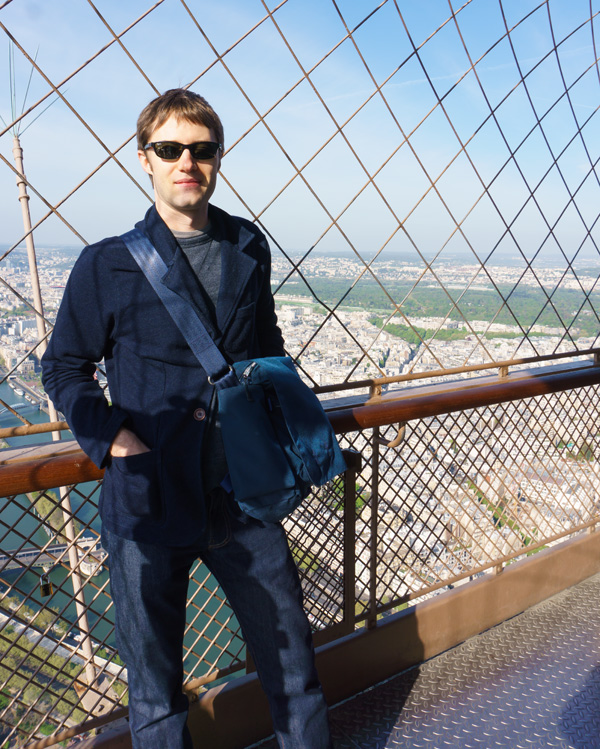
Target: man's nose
186	161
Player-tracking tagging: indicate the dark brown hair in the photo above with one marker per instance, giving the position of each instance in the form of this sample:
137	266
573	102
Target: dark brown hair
184	105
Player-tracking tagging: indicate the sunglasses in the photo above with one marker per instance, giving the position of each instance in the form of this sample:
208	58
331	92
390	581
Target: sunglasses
170	150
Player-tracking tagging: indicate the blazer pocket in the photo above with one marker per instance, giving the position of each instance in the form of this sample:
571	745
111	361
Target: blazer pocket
136	485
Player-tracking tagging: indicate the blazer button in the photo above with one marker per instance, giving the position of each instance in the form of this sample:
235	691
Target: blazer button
199	414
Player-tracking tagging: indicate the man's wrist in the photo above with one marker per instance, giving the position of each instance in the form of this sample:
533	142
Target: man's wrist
127	443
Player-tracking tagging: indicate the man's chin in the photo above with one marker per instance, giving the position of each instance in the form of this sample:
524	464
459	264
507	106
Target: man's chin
189	207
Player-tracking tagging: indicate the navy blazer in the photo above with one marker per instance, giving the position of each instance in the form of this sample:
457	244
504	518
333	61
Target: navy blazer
157	387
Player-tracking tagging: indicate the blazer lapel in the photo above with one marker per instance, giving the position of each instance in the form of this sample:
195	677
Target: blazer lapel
179	277
236	270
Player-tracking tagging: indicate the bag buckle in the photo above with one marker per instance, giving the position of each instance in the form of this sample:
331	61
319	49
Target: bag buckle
222	377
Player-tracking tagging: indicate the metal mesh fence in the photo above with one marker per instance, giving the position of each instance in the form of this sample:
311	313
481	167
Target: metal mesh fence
446	159
427	180
59	663
460	495
465	491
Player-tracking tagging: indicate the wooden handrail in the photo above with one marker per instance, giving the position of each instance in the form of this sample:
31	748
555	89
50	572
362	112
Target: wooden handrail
47	472
413	403
61	464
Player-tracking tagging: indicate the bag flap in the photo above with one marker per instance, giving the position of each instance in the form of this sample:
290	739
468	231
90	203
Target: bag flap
306	420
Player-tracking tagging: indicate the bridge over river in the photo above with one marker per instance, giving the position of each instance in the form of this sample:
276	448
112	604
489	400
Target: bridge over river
89	552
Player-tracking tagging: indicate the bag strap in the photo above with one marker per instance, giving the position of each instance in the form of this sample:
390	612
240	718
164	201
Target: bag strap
220	374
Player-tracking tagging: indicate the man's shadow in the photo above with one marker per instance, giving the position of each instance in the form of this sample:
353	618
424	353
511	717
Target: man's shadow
580	720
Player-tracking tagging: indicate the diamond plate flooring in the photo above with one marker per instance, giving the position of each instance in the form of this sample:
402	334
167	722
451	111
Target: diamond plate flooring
532	681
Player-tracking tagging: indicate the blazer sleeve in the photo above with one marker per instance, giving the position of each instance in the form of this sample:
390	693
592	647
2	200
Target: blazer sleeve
81	338
269	333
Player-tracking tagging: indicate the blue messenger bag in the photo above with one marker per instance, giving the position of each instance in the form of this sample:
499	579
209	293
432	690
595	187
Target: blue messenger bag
277	437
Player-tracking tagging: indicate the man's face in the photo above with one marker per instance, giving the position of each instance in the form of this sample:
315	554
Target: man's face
182	188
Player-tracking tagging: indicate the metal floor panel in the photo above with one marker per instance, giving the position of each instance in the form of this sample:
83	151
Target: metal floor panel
532	681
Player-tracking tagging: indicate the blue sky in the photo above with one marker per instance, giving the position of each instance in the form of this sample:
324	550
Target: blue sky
171	50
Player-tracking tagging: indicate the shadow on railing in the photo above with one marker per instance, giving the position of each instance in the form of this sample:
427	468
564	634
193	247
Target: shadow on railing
445	483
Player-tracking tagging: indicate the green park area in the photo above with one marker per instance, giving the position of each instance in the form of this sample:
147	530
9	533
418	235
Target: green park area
529	306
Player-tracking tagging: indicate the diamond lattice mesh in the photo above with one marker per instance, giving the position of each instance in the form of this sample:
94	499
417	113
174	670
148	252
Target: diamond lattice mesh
427	181
404	142
464	490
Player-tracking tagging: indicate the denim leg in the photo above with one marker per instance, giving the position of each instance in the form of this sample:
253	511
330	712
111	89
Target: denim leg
258	575
149	589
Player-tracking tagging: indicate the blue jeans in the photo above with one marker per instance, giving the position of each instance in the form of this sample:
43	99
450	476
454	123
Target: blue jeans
251	561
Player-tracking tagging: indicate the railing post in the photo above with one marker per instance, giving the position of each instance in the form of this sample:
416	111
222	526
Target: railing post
78	589
65	500
372	618
353	463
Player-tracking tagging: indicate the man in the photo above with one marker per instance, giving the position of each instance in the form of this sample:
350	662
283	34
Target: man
162	505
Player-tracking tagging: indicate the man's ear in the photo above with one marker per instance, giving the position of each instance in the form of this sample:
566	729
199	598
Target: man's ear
144	162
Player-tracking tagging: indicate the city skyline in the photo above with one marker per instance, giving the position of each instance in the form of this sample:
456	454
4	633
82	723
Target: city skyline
332	350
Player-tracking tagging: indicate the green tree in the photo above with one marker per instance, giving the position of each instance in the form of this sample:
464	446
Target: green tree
586	452
47	506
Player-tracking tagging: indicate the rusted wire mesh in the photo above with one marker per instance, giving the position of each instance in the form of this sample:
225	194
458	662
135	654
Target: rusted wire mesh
467	491
59	664
427	179
425	149
461	495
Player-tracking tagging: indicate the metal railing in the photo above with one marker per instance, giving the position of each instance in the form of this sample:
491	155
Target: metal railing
446	483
